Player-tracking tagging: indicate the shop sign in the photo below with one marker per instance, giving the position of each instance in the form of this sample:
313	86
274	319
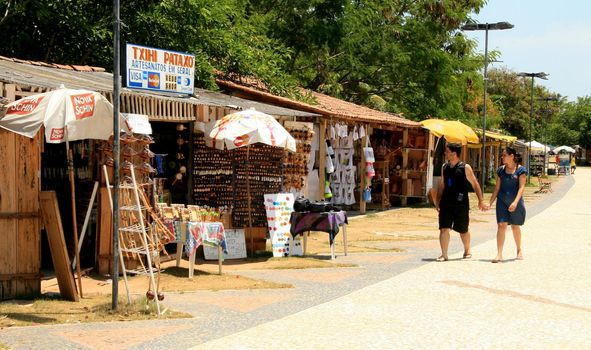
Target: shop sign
159	70
137	123
235	246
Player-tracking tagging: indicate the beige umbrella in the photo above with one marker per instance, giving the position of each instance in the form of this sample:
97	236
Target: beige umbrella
67	115
245	128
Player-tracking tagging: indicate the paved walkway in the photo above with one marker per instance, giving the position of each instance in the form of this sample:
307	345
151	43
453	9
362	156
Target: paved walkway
392	300
543	301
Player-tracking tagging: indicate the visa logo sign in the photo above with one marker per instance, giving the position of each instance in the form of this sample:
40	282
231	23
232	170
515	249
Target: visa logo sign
135	78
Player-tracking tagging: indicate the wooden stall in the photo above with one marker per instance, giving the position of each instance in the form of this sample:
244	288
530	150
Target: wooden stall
410	182
20	251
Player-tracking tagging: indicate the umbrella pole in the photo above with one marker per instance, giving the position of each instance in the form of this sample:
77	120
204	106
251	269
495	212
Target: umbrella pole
248	199
74	223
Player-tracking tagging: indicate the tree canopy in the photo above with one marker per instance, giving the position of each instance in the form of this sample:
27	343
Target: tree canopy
404	56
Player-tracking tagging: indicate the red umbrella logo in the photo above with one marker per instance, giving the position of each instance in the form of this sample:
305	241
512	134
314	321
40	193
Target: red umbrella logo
25	106
241	140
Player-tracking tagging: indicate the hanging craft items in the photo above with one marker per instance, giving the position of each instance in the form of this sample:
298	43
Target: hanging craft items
340	164
295	165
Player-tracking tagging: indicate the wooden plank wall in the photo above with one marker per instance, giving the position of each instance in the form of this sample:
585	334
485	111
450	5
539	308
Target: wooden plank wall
20	251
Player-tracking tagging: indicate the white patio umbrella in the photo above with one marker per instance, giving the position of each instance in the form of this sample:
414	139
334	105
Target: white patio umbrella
536	147
67	115
245	128
564	149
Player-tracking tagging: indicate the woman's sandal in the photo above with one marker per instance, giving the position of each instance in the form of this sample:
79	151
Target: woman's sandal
467	256
494	261
441	259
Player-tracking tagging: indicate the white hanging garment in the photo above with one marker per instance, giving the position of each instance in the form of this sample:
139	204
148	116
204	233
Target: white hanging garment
329	164
355	133
344	131
361	131
349	194
349	139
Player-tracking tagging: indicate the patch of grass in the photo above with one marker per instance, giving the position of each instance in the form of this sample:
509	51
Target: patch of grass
297	262
174	279
399	238
92	308
377	249
371	215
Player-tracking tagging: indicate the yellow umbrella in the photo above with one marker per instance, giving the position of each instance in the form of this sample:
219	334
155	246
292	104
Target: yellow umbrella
500	137
453	131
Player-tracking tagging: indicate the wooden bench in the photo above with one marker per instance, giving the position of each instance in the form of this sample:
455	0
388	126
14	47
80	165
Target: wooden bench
544	185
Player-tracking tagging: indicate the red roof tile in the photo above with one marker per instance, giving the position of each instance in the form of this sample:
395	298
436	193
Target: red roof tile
82	68
55	65
327	106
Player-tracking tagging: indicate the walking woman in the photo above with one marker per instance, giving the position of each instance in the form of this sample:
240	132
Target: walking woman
511	178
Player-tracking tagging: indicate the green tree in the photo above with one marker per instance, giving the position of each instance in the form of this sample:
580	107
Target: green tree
403	56
573	124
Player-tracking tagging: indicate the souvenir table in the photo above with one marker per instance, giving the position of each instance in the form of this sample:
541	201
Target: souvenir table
191	234
328	222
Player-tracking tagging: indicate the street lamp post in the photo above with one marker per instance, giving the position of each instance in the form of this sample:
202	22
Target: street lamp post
486	27
539	75
546	111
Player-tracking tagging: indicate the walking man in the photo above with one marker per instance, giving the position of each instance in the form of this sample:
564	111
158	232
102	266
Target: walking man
452	200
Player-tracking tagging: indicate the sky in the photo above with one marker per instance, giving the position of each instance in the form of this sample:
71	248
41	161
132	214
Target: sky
549	36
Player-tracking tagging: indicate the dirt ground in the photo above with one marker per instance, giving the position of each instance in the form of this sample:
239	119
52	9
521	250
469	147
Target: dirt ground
374	232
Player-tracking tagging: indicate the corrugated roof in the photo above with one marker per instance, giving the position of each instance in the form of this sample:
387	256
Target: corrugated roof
51	76
40	74
222	100
327	106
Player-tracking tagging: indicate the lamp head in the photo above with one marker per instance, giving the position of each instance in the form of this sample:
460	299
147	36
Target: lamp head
539	75
487	26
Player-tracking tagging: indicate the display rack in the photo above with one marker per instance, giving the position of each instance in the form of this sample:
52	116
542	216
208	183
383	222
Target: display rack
136	237
382	181
410	180
219	178
213	175
295	164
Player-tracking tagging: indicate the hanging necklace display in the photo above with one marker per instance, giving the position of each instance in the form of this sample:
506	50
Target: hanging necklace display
295	165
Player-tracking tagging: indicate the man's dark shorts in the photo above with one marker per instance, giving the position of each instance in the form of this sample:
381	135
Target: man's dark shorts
454	217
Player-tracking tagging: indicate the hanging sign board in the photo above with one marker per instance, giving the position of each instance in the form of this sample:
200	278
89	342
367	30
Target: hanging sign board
279	207
137	123
158	70
235	245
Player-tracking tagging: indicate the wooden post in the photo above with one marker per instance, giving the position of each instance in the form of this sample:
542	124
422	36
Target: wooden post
497	152
249	201
73	204
430	158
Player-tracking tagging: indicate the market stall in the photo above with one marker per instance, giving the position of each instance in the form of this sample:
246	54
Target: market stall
338	168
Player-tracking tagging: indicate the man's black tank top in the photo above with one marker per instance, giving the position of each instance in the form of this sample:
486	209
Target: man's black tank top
455	191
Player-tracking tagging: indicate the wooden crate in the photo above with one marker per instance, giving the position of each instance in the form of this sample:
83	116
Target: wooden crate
20	251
